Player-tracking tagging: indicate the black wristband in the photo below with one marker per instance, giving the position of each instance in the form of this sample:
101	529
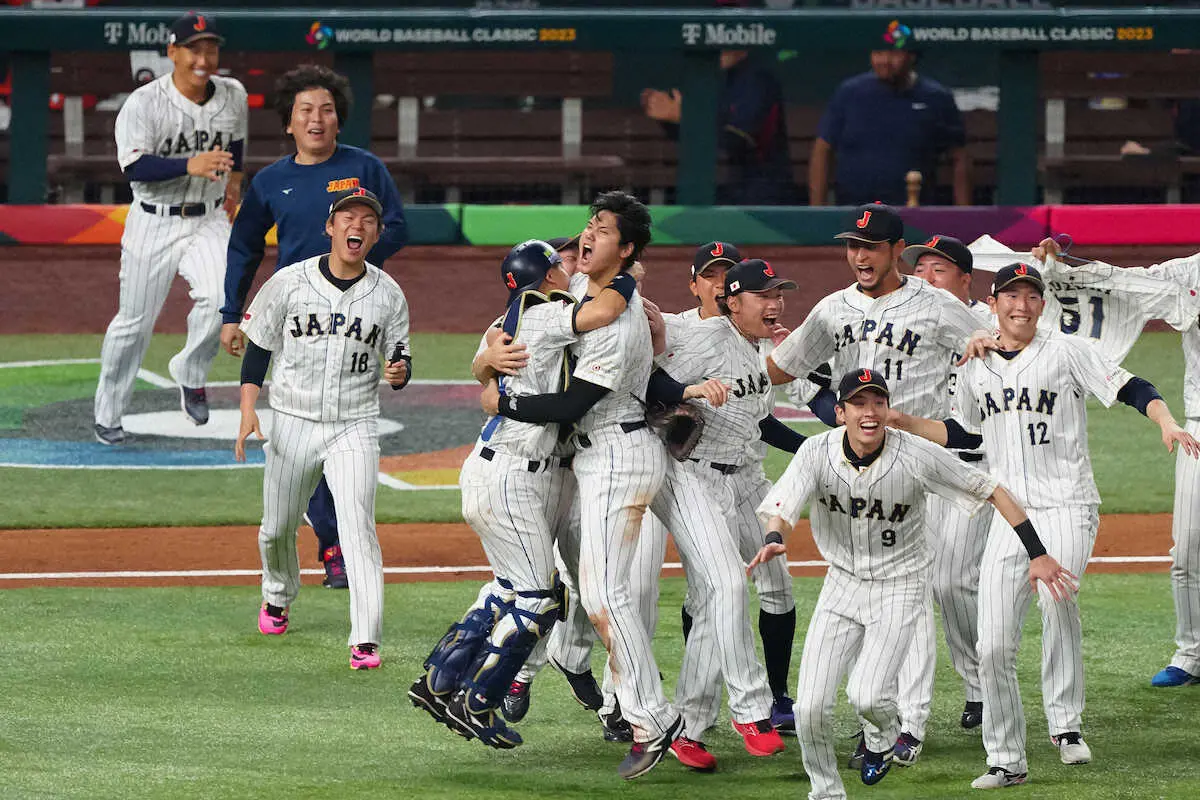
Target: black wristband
623	284
773	537
1029	538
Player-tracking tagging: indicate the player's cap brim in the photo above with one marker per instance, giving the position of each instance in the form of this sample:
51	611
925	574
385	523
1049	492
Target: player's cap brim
361	200
773	283
1031	279
566	244
911	254
860	237
197	37
719	261
864	387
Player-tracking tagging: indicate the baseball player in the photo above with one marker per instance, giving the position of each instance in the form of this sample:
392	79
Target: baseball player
620	467
869	486
294	194
1183	276
511	488
505	489
945	262
1028	402
901	327
330	319
180	143
722	473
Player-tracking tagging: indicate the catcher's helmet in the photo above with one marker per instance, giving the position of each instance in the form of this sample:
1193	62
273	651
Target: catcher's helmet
526	265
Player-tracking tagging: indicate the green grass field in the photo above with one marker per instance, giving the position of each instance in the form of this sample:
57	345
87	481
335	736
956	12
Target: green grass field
1133	471
171	693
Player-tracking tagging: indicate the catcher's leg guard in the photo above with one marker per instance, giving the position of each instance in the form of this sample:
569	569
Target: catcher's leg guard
528	619
452	657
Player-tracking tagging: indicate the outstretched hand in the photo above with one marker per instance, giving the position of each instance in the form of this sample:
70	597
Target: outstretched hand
979	345
249	425
712	390
1060	581
1172	433
768	552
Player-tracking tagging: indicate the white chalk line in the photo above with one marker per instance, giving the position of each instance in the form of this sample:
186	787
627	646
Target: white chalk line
473	568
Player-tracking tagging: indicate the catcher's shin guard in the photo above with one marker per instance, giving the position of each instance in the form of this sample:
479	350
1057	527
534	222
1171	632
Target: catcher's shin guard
528	619
452	657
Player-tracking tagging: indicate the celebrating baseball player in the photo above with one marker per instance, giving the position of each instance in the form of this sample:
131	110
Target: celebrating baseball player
946	263
330	319
869	486
620	467
180	143
721	475
1182	279
507	483
294	194
1028	401
906	331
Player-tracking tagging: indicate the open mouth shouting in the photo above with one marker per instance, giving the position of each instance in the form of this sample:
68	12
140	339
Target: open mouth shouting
354	244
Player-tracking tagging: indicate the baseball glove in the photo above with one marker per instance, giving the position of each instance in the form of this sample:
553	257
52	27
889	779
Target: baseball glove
679	425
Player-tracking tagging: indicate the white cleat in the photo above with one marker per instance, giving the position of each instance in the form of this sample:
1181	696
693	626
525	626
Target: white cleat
998	778
1072	748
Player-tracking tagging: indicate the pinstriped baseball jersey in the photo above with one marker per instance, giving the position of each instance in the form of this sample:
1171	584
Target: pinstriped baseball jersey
1110	305
618	357
1185	273
327	344
906	335
158	120
1032	412
546	331
871	522
986	320
713	348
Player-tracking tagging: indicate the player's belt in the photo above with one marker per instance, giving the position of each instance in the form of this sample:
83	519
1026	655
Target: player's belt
724	469
971	456
185	210
487	454
627	427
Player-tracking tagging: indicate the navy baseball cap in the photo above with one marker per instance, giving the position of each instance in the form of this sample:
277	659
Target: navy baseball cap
854	382
560	243
193	27
949	248
753	275
874	223
1006	276
714	254
359	196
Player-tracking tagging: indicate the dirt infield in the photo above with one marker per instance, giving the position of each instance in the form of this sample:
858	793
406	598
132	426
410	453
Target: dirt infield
450	289
408	546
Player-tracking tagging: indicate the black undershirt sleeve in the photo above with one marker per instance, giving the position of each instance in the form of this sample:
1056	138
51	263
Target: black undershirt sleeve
1139	393
561	407
663	388
255	363
779	435
958	439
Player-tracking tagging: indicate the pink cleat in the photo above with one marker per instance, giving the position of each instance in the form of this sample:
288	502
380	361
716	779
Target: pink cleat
364	656
272	620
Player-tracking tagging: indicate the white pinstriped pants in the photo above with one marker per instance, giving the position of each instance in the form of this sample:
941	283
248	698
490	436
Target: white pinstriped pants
153	250
957	541
298	451
721	643
1069	535
1185	559
867	624
619	475
698	693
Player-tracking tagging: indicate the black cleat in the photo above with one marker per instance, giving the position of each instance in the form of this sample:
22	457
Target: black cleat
515	705
644	756
616	727
110	436
972	716
194	403
583	687
486	725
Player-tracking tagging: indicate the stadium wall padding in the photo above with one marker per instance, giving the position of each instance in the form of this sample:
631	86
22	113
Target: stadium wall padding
800	226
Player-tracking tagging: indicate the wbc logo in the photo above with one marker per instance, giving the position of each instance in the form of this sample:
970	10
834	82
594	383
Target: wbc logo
864	220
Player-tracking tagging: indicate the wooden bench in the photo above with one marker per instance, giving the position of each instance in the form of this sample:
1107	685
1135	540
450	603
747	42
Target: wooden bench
1083	141
463	121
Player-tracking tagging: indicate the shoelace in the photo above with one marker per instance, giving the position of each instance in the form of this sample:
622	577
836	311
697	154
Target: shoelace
516	688
366	649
